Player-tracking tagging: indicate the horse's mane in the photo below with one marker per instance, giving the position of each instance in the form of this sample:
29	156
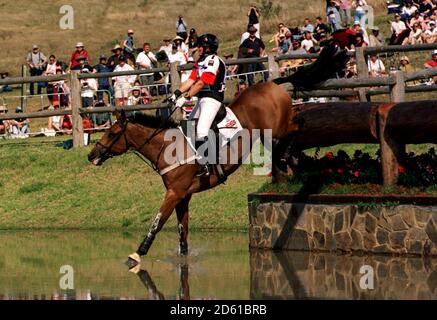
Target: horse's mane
152	121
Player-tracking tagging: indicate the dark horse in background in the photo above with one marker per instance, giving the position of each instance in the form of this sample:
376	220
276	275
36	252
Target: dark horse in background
263	106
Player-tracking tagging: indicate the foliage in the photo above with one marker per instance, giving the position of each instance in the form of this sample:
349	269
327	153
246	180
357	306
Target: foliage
268	9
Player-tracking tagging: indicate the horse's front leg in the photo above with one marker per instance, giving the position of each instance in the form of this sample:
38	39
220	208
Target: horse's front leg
172	198
183	216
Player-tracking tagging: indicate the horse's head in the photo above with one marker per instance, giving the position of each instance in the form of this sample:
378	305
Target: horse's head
113	142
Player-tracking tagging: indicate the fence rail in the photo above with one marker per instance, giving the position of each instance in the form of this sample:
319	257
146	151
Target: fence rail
394	84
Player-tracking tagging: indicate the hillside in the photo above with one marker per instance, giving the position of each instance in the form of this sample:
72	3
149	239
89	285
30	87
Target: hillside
102	23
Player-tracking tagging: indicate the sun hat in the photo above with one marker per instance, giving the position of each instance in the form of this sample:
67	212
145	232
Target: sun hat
405	58
117	47
178	38
130	31
79	45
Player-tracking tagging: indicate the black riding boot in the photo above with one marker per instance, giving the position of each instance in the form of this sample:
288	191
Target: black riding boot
206	168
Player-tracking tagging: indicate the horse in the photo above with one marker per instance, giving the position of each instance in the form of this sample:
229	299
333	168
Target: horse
263	106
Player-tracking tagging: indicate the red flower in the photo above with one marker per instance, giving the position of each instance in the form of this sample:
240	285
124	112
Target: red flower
357	174
401	169
329	155
340	170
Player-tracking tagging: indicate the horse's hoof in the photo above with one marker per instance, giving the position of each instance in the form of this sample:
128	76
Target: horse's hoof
133	261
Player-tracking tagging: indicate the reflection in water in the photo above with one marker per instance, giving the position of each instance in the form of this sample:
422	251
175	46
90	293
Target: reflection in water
305	275
219	267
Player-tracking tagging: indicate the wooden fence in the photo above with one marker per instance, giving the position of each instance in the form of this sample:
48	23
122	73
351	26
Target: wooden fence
394	84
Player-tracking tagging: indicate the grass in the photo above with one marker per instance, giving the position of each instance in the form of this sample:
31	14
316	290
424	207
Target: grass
44	186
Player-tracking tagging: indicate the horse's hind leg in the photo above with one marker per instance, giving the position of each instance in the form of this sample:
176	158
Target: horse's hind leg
183	216
172	198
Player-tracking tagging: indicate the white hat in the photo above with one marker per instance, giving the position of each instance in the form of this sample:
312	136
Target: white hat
434	52
79	44
130	31
35	46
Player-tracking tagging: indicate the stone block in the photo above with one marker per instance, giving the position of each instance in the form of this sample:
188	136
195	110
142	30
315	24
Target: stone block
407	214
397	223
382	235
369	240
370	222
397	239
318	224
431	230
298	240
357	240
343	240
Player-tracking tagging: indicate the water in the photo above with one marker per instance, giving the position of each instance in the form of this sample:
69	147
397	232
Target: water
219	266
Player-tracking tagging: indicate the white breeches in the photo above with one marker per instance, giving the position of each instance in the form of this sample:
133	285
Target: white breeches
207	109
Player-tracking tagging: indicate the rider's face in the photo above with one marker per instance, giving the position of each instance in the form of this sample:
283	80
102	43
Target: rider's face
200	50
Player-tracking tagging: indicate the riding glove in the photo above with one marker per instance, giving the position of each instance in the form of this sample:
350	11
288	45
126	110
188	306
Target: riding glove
174	96
180	102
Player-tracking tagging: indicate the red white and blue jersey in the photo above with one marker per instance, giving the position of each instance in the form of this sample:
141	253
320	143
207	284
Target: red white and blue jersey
212	71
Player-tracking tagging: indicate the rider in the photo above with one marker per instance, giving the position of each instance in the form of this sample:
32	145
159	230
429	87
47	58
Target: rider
207	82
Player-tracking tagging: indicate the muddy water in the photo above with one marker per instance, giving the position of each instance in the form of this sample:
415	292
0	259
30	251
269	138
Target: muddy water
219	266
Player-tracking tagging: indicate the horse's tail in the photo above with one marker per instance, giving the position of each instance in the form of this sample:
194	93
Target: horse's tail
330	63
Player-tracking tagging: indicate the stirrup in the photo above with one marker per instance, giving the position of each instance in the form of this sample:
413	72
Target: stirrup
206	170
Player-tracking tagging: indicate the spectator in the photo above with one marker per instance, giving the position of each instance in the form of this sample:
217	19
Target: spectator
405	65
129	45
320	28
359	41
250	48
245	34
4	125
345	12
166	47
6	87
192	42
20	126
181	28
419	20
308	41
376	39
54	124
36	61
333	16
433	62
58	92
179	41
282	29
104	83
178	56
360	12
426	7
283	45
134	97
240	87
113	60
415	36
88	89
376	67
254	15
430	34
360	30
82	63
51	66
290	64
398	28
408	10
122	84
146	60
307	26
79	52
101	120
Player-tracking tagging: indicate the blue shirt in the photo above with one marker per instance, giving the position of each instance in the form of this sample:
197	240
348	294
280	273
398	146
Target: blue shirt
102	68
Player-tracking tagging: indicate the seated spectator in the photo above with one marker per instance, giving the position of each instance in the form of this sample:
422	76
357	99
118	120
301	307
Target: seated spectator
415	36
54	124
145	96
376	39
426	7
308	41
122	84
4	124
67	124
166	47
405	66
360	30
180	43
101	120
6	87
417	19
321	28
408	10
292	63
433	62
282	30
307	26
134	97
359	41
376	67
430	34
20	126
398	27
283	45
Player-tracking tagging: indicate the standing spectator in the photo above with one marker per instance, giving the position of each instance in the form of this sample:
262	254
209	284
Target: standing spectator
129	45
360	12
307	26
36	61
51	66
122	84
81	63
58	92
104	83
376	39
113	60
192	42
20	126
251	48
345	12
254	15
376	67
181	28
334	18
146	60
89	88
79	52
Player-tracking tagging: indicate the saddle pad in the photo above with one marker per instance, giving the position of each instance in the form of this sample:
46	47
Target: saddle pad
229	126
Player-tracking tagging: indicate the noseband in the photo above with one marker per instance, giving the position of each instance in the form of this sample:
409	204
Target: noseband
107	149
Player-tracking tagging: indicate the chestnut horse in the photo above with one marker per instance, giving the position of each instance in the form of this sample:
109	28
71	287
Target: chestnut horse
263	106
146	135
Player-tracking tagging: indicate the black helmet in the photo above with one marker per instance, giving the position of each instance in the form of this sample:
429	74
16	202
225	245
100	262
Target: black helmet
208	40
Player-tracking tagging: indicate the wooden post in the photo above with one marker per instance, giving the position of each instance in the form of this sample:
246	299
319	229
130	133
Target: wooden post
76	104
175	79
391	151
24	88
273	67
362	70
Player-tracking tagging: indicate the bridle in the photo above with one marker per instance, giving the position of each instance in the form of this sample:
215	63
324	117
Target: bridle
107	149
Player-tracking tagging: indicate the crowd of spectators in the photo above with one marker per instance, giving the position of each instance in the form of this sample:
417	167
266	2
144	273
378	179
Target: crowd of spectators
414	21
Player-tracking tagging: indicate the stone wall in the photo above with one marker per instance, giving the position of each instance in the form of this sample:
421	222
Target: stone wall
403	229
312	275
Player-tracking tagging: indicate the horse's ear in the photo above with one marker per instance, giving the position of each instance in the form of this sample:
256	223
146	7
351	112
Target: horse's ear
120	115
